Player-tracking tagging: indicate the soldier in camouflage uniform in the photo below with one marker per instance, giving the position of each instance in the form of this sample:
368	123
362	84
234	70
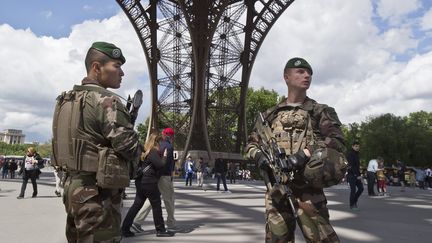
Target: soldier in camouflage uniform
100	130
301	126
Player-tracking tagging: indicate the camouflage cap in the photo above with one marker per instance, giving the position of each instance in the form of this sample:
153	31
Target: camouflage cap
110	50
298	62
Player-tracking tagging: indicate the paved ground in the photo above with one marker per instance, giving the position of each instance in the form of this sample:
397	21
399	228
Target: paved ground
208	216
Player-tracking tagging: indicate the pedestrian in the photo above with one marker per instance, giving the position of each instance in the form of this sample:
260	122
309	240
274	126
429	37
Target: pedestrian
165	185
146	184
304	129
401	174
30	170
58	174
189	170
220	170
200	171
429	177
371	175
381	179
420	177
232	172
5	169
354	177
12	168
94	138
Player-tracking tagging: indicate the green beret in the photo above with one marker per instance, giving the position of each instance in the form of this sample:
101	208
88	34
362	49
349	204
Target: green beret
110	50
298	62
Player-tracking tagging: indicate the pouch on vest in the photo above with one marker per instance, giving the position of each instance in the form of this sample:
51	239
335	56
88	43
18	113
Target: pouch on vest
113	172
277	223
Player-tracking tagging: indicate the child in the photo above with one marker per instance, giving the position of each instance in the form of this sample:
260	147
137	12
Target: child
381	179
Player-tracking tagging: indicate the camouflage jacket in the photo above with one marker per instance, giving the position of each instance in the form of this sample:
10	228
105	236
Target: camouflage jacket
107	122
323	119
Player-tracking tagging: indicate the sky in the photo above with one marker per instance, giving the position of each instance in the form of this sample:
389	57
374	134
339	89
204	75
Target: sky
369	57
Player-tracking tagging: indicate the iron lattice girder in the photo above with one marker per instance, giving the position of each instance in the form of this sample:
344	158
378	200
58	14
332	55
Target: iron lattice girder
174	34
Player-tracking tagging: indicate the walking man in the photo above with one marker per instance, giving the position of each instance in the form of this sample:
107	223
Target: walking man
354	177
371	175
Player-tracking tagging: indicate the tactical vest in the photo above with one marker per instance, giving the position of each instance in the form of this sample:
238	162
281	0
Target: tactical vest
292	129
71	147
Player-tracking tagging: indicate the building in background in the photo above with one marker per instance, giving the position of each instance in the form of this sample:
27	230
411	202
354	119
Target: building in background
12	136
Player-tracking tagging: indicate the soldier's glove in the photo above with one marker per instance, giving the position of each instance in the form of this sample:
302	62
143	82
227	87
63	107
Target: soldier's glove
297	161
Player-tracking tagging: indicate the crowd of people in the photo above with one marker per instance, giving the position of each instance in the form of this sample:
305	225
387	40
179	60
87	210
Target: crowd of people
9	168
377	177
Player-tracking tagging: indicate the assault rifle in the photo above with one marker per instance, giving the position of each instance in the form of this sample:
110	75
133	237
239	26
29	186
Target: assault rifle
276	170
133	105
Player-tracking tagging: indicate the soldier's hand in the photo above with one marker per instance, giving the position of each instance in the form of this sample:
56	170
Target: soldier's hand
297	161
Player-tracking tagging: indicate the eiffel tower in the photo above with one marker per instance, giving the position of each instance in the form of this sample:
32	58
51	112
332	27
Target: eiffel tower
200	55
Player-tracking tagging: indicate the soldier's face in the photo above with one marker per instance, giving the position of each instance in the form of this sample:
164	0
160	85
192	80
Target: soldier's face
111	74
298	78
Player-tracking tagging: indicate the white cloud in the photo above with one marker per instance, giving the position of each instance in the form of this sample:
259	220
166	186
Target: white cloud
396	10
398	40
354	64
38	68
47	14
426	21
87	7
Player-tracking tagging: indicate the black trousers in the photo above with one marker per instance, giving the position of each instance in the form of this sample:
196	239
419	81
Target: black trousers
356	187
221	176
32	175
146	191
232	176
371	182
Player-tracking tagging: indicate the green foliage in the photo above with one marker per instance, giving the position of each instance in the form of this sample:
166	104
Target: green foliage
142	130
19	149
259	101
392	137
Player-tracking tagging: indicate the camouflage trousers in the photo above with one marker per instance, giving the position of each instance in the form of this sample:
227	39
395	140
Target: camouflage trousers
93	213
281	224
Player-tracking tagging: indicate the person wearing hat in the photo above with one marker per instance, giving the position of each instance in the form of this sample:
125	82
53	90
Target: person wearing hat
309	132
165	184
94	139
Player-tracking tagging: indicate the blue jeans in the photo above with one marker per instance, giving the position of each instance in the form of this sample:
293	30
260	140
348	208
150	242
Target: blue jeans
189	176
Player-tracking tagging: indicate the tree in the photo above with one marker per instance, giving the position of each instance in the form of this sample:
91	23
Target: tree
20	149
142	130
258	101
393	137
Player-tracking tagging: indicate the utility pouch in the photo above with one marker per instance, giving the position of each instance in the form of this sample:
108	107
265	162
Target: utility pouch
277	223
112	172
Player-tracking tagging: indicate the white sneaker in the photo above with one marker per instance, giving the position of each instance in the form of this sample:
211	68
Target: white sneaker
137	228
227	191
